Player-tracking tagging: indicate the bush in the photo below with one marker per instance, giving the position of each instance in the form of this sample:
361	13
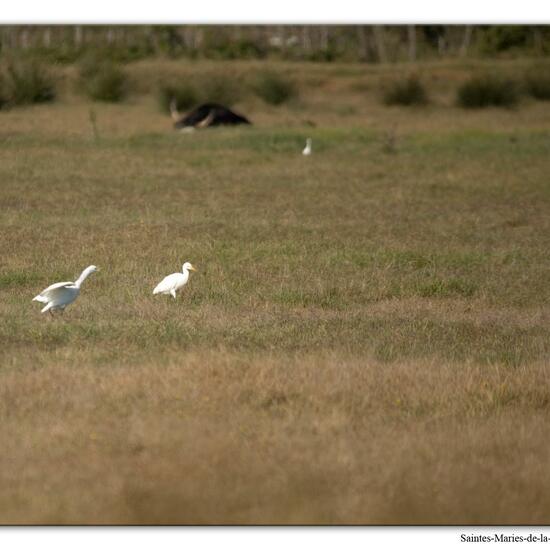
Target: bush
62	54
274	88
218	88
499	38
26	82
537	83
409	91
102	81
3	92
185	94
328	54
486	91
213	88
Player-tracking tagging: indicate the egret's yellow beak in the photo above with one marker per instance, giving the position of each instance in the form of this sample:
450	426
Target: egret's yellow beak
192	268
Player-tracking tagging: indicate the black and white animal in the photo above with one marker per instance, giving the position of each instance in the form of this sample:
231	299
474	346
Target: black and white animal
204	116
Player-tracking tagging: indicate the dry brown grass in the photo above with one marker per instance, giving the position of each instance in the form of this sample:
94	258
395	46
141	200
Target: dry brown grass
218	437
366	340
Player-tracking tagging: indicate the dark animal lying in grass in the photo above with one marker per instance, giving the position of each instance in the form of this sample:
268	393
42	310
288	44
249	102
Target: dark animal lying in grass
205	115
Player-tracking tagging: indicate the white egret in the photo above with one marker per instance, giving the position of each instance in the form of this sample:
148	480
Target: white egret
59	295
307	149
172	283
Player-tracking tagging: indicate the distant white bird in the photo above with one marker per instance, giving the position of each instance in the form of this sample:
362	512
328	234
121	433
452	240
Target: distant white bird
59	295
172	283
307	148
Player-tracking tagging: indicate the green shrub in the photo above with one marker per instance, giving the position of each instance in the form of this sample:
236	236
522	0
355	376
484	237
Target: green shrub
537	83
274	88
499	38
486	91
210	88
328	54
3	92
26	82
61	54
185	94
102	80
218	88
409	91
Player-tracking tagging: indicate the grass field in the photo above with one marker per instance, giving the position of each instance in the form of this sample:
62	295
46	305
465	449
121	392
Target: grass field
366	339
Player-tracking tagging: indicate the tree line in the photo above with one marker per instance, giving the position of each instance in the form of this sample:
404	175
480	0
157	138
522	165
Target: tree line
367	43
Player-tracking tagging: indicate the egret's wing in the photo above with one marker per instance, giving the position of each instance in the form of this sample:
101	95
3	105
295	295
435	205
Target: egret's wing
56	286
52	291
60	297
167	284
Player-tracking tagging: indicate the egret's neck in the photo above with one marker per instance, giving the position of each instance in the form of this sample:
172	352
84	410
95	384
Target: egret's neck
82	277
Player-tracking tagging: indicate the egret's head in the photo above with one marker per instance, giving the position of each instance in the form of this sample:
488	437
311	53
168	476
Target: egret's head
187	266
88	271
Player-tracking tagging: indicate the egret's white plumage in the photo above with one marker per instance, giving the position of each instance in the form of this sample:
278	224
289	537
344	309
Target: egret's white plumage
60	295
307	149
172	283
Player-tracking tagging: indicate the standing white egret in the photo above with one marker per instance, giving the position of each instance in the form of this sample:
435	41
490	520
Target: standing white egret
307	149
59	295
172	283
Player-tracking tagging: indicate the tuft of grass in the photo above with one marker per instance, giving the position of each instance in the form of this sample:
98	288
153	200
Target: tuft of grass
445	288
102	80
407	92
488	90
274	88
26	82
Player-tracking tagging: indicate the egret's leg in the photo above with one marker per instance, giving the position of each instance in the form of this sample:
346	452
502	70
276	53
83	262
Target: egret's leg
173	293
